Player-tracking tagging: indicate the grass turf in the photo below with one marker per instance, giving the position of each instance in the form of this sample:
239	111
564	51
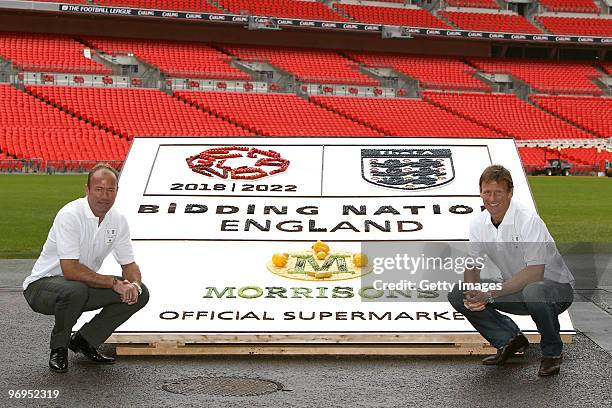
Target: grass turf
29	204
576	209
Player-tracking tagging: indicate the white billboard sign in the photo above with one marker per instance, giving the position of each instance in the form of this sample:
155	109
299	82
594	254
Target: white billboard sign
208	214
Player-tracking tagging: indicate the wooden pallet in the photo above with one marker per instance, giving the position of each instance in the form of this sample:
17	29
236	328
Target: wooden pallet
379	345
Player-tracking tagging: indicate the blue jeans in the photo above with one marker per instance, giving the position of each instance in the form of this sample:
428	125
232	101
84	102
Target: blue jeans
543	301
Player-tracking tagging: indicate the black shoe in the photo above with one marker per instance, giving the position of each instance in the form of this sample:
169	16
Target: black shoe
79	345
58	360
550	366
517	343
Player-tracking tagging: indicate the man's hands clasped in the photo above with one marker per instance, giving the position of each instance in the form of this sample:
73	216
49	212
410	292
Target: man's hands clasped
126	290
476	300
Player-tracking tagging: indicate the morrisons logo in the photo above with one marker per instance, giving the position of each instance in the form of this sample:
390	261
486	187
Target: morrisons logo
319	263
339	261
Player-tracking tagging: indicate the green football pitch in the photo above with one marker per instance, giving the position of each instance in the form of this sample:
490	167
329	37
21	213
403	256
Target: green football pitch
577	210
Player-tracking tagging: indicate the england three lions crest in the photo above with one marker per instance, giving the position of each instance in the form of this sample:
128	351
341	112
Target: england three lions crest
407	169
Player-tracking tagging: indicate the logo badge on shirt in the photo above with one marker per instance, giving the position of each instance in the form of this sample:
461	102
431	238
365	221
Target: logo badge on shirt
110	235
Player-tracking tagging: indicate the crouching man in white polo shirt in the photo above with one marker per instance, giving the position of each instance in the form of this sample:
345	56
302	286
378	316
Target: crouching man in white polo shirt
536	281
65	283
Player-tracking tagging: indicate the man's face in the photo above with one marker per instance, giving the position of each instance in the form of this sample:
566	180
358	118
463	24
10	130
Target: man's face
496	198
101	192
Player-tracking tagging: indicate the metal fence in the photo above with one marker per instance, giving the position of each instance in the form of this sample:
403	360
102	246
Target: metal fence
26	166
21	165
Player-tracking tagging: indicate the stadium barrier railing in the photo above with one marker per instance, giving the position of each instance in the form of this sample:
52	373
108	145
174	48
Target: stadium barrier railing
21	165
77	166
36	165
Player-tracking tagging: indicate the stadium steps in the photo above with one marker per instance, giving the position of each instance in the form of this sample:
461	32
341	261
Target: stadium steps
502	4
43	131
67	112
340	11
467	117
149	74
575	6
533	20
406	117
446	20
600	82
6	70
218	5
347	116
277	114
391	79
96	55
605	88
566	120
604	8
211	112
507	114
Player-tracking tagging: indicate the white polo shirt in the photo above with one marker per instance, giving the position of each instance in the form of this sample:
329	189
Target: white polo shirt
75	234
521	240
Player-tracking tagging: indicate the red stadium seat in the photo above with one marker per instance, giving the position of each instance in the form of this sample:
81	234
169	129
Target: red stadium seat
404	117
598	27
137	111
503	23
546	76
47	53
311	10
276	114
391	16
308	65
431	71
184	5
175	59
591	113
29	128
574	6
507	114
490	4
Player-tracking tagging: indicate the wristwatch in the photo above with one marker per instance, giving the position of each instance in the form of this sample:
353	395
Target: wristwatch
490	297
138	287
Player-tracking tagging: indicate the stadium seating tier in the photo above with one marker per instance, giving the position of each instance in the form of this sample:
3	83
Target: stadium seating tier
431	71
591	113
390	16
175	59
576	6
507	114
489	4
308	65
503	23
546	76
48	53
597	27
202	6
30	128
311	10
132	112
276	114
404	117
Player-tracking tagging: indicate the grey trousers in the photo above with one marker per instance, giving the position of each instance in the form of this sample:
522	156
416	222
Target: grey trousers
67	300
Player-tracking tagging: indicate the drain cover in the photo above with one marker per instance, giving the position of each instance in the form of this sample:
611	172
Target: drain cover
223	386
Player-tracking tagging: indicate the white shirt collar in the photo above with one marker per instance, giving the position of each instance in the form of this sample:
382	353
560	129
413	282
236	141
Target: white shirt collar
508	216
87	210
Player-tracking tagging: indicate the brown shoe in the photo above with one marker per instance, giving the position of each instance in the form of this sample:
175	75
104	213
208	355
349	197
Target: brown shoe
550	366
517	343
